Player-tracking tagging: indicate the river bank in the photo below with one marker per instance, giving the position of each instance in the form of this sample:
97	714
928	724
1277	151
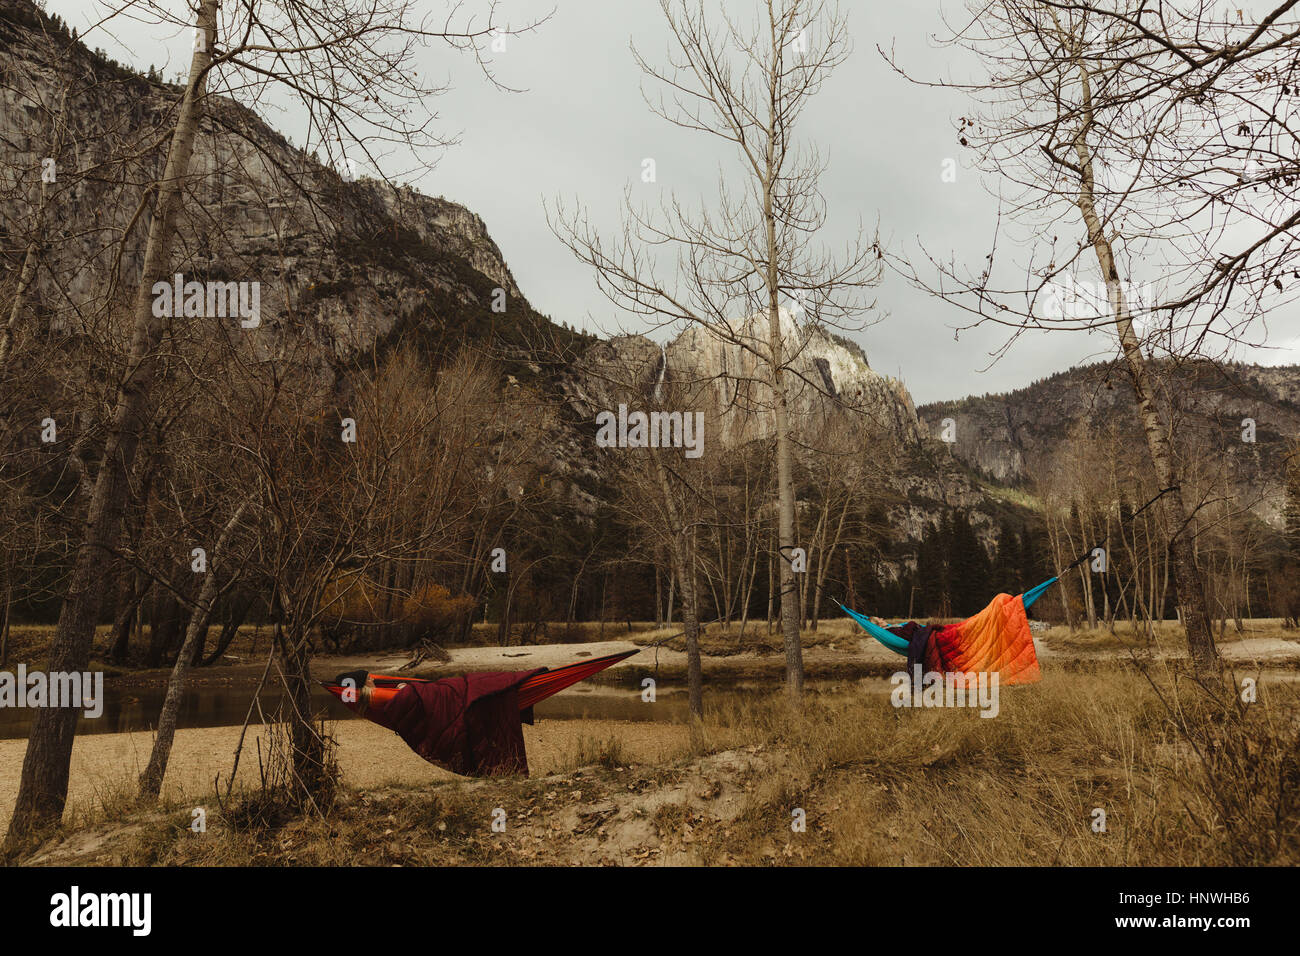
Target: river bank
845	779
604	725
836	650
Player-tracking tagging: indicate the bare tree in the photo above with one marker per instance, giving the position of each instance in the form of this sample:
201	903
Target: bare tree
732	271
659	491
1103	125
151	777
845	485
350	64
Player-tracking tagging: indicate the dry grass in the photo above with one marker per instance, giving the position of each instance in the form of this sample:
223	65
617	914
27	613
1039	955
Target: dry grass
608	752
283	794
1168	635
1186	774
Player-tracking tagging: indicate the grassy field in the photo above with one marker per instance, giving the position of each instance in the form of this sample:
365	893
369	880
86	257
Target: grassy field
1164	634
1185	773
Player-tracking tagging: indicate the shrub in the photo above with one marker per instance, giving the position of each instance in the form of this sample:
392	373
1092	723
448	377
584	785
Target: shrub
364	615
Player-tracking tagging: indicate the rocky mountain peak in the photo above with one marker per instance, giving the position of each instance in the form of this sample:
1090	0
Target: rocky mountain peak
725	371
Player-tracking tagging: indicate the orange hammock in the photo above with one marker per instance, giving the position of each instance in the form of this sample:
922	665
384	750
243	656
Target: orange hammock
532	691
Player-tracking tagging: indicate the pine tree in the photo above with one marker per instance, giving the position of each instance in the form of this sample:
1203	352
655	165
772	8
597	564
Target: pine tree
1291	513
1007	565
968	566
931	576
1033	566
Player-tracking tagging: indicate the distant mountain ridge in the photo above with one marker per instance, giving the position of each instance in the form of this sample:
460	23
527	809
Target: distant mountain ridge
726	377
1009	437
353	265
829	378
345	263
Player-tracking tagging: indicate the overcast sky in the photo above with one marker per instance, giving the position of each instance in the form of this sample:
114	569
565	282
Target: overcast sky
580	131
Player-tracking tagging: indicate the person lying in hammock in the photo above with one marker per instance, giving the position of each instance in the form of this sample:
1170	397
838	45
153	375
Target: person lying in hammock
997	639
916	636
471	724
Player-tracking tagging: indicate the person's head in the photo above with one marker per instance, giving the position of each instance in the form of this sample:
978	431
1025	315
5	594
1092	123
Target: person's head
364	694
361	684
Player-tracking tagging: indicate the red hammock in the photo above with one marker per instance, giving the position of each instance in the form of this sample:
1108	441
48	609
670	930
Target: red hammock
532	691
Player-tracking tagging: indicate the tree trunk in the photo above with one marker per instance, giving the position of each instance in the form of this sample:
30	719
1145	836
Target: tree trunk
166	625
1188	580
4	625
785	548
749	593
659	598
825	558
152	777
43	789
683	555
135	584
1085	578
238	614
851	592
771	587
604	598
310	776
27	274
784	453
135	588
503	628
672	588
691	624
1054	539
25	279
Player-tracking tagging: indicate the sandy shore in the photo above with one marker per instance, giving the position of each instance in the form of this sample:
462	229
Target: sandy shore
104	765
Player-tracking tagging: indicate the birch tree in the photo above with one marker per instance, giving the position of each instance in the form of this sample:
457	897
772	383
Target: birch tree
1099	128
739	270
350	64
151	777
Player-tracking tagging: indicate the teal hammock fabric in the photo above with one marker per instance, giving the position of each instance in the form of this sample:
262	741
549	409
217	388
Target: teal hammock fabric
891	641
899	645
1034	593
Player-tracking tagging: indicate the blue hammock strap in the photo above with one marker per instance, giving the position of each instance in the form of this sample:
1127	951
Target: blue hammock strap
1034	593
891	641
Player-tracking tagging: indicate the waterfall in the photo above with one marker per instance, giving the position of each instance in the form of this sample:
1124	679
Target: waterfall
663	369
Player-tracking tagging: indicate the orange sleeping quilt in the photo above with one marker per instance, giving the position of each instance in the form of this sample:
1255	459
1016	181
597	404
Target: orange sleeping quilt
995	639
